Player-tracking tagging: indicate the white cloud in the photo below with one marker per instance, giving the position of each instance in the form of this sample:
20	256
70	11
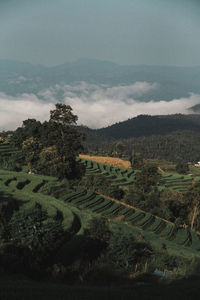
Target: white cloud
105	112
97	92
96	105
13	110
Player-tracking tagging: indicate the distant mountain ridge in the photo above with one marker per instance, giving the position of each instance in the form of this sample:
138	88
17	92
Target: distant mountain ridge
146	125
195	108
173	82
173	137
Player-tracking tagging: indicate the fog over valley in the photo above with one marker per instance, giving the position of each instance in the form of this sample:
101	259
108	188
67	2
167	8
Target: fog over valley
96	105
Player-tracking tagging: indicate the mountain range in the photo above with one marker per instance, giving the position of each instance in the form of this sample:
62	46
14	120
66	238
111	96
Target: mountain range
172	82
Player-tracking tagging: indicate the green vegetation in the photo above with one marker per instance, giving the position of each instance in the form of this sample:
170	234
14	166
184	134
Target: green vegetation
177	145
51	147
182	168
91	222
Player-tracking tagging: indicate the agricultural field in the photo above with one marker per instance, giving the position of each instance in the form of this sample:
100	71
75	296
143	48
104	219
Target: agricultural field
79	206
125	177
113	161
152	227
119	176
6	150
120	172
25	189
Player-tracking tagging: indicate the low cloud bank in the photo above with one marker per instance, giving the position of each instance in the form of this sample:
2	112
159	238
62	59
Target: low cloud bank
13	110
106	112
96	105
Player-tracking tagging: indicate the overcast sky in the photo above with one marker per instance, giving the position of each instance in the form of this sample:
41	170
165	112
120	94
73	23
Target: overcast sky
49	32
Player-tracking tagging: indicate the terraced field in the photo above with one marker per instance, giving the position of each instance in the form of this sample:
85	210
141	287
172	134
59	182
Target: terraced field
79	206
119	176
125	177
177	182
6	150
25	189
162	229
122	176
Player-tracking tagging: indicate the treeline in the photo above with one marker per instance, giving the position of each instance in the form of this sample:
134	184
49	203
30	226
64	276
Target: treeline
175	147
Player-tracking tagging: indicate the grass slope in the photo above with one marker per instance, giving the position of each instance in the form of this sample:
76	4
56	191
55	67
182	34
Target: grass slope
85	205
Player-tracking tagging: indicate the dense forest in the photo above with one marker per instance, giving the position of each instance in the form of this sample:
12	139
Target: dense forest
174	138
146	125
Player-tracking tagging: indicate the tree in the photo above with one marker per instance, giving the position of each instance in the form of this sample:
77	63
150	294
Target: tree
193	195
125	250
136	161
30	128
147	179
182	168
52	147
119	148
31	149
66	139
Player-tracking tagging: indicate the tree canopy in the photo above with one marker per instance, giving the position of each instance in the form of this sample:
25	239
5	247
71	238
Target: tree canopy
182	168
51	147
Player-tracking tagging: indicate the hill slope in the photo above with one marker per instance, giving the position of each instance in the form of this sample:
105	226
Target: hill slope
145	125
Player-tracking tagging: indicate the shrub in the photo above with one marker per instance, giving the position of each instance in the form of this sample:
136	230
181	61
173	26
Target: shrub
182	168
125	251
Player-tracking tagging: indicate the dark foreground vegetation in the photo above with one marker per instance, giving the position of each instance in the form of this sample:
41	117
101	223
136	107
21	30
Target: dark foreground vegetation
77	229
22	289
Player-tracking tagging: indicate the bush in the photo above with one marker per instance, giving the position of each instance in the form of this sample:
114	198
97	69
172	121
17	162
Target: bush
125	251
10	164
31	228
182	168
98	229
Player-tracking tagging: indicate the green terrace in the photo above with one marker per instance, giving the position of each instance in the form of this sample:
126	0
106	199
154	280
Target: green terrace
119	176
26	188
79	205
125	177
164	230
6	150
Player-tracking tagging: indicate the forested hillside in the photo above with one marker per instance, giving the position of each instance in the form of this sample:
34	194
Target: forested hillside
146	125
173	137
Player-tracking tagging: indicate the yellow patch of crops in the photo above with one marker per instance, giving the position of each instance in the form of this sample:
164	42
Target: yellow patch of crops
114	161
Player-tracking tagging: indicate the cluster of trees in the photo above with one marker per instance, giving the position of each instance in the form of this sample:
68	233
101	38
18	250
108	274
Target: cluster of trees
50	147
177	146
181	208
182	168
144	193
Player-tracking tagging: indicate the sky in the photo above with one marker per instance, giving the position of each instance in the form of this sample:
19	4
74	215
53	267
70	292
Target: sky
127	32
49	32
